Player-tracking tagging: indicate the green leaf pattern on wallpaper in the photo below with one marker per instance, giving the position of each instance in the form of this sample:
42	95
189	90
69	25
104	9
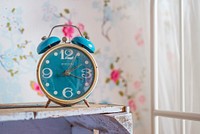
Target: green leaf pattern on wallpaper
12	30
135	98
51	14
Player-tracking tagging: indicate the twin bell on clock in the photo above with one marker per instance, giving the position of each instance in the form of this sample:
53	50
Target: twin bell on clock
67	72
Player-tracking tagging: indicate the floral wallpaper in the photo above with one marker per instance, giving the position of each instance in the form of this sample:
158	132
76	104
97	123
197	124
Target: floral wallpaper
119	31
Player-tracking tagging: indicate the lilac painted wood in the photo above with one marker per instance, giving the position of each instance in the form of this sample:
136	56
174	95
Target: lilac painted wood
44	126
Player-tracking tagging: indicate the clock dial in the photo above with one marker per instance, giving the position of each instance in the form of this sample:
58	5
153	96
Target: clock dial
67	73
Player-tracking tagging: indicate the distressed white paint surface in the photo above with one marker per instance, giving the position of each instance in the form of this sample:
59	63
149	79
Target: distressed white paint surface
125	119
12	114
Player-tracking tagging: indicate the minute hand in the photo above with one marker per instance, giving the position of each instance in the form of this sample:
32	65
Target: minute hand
72	62
72	69
67	72
76	76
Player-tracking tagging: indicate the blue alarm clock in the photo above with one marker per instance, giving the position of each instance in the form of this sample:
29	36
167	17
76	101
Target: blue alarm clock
67	72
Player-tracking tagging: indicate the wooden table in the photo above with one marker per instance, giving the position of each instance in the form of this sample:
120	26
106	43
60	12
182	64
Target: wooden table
79	119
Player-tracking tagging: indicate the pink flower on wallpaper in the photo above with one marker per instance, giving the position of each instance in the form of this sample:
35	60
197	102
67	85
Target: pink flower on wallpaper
132	105
81	27
68	31
137	85
138	37
115	75
142	99
140	42
35	86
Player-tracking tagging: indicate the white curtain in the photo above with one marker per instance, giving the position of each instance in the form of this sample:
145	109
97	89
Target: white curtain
168	62
192	61
178	61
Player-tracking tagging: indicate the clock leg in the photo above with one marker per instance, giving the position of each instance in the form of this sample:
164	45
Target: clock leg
86	103
47	104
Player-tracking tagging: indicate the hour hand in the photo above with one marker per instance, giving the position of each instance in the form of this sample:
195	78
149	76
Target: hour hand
76	76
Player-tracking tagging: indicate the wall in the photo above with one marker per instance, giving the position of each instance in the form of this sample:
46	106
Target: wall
119	30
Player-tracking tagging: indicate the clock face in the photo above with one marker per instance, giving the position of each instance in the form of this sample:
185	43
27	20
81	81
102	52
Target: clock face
67	73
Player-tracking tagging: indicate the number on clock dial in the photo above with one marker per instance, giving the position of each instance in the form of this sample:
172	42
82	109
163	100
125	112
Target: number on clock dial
66	54
47	73
67	92
86	73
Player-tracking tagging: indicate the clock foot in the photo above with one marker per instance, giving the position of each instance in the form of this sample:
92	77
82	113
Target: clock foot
86	103
47	104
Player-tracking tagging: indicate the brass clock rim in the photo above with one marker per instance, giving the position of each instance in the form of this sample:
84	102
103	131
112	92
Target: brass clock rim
68	102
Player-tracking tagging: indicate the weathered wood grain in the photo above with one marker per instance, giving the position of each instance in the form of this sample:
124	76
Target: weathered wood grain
118	123
96	119
11	114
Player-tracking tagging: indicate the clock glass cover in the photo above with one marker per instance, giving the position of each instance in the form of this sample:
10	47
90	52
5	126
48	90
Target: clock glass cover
67	73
